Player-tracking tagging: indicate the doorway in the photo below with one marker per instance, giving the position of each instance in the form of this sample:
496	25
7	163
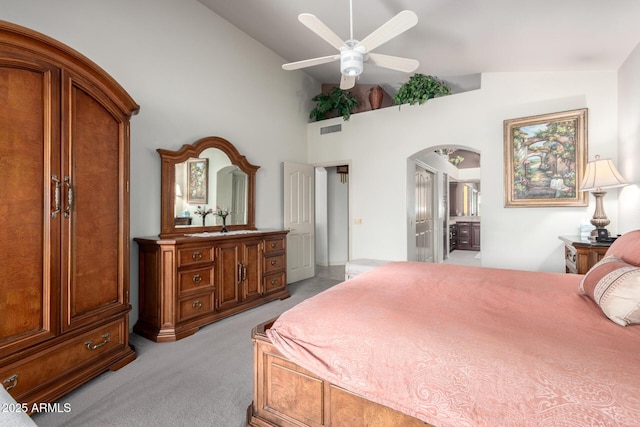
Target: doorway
449	164
316	213
332	219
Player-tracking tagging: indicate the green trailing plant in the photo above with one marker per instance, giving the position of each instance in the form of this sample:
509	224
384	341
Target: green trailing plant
419	89
336	102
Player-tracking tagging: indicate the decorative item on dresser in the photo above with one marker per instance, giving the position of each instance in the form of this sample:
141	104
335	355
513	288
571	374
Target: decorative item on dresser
64	241
580	254
193	275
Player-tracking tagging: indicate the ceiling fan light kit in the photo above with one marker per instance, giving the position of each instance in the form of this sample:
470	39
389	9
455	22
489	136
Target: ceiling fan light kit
354	53
352	61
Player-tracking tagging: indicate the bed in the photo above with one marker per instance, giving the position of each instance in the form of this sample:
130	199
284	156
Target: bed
418	343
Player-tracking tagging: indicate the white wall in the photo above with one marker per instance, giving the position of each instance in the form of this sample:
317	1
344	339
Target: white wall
194	75
629	141
378	144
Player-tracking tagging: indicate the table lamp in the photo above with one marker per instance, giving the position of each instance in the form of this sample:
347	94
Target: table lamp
601	174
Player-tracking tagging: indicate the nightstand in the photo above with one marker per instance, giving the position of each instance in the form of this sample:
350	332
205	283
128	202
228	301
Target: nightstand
581	254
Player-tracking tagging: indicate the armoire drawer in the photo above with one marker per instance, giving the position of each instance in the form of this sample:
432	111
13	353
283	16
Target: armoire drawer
195	306
194	255
195	280
55	362
274	263
274	245
273	281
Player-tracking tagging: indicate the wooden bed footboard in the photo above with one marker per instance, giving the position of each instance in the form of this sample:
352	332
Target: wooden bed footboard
287	395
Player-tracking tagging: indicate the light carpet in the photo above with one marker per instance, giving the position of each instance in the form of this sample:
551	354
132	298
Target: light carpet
202	380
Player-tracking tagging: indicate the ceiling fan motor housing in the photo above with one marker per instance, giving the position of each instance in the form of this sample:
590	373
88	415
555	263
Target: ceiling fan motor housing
351	62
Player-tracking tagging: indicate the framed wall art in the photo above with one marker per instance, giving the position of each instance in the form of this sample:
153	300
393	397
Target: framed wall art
197	180
544	159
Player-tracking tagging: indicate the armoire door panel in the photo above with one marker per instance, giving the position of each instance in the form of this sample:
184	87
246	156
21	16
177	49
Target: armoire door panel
229	274
252	270
29	96
93	206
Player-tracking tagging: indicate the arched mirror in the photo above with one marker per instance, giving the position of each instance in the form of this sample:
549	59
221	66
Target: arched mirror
207	174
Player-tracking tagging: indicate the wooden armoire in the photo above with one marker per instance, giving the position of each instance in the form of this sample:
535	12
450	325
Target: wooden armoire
64	212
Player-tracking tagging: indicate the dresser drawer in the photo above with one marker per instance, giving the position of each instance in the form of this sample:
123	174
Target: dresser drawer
274	281
195	280
274	263
194	255
195	306
55	362
274	245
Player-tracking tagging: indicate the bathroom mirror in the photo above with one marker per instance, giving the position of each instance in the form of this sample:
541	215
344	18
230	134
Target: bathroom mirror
207	174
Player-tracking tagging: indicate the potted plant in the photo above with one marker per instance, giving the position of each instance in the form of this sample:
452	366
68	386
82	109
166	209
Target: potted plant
338	100
419	89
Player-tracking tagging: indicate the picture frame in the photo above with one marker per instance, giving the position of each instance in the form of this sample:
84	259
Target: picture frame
197	180
544	159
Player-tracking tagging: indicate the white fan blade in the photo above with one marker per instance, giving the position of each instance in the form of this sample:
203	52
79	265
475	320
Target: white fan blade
310	62
393	62
318	27
393	27
347	82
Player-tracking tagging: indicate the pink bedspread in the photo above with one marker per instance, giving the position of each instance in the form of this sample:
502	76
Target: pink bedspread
467	346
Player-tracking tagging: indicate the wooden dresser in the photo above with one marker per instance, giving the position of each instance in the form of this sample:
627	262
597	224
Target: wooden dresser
188	282
64	239
582	254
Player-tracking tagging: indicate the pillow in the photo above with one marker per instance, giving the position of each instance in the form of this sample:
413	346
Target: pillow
615	286
627	247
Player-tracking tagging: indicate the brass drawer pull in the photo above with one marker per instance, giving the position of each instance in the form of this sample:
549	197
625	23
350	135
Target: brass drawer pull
197	305
56	196
197	256
197	278
13	379
274	262
67	210
274	245
91	346
274	281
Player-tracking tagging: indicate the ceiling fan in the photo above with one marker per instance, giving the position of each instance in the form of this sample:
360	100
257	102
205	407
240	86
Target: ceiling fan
353	53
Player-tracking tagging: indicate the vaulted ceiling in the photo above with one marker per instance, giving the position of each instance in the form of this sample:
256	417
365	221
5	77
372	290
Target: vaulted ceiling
454	39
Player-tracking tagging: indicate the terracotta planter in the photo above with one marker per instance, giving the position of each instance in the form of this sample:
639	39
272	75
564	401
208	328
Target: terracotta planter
375	97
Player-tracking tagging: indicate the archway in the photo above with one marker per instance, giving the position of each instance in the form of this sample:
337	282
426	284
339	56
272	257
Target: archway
455	167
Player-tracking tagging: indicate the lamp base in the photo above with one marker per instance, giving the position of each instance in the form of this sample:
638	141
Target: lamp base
599	220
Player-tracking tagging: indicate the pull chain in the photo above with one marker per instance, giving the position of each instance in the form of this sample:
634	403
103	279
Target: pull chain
351	18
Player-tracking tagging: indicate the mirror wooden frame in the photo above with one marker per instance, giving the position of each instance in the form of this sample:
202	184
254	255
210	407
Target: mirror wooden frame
169	161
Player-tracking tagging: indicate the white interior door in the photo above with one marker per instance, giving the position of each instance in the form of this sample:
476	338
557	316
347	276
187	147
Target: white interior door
299	219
